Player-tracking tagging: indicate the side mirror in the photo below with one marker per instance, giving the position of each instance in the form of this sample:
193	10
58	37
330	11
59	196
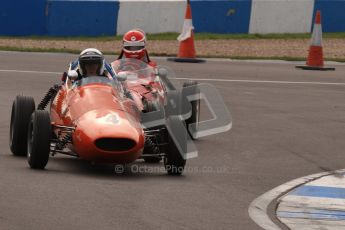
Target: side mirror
72	74
162	72
122	76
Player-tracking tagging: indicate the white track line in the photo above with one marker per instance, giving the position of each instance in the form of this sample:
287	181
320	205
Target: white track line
206	79
258	208
28	71
264	81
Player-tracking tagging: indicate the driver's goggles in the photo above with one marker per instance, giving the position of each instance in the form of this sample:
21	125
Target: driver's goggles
133	46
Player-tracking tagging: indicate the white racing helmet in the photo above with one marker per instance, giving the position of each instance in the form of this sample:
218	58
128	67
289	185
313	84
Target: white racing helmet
91	56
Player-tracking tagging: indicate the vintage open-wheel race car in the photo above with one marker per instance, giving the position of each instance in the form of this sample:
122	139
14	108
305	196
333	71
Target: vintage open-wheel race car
138	113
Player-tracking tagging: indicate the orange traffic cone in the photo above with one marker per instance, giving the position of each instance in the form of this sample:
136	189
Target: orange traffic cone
315	56
186	38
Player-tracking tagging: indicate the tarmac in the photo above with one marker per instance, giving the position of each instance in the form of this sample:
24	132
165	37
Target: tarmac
287	123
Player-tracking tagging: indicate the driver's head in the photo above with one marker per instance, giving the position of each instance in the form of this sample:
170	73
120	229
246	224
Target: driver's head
91	62
134	44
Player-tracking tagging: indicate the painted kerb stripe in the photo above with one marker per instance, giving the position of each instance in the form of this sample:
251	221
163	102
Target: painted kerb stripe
319	191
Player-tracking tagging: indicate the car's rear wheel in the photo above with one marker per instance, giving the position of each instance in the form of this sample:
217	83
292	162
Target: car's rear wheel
195	116
39	136
22	108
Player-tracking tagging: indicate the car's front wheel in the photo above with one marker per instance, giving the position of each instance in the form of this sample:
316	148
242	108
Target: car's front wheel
173	161
38	139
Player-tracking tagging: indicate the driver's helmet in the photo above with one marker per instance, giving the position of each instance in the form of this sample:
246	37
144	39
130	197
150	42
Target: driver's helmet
89	57
134	44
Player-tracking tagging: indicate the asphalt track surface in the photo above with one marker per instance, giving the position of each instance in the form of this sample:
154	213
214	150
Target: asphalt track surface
282	130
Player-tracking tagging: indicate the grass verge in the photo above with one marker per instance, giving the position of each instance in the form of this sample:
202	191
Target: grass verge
285	58
173	36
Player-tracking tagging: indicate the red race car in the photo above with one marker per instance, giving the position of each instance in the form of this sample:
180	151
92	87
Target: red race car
107	121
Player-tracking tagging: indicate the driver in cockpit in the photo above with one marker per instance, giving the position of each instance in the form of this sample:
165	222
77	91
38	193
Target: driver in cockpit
90	63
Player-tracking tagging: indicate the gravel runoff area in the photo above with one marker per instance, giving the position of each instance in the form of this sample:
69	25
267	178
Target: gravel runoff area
333	48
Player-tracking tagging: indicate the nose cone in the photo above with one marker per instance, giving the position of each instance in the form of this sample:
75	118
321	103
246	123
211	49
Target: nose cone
108	136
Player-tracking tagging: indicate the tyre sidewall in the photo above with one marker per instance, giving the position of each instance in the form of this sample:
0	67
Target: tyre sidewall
22	108
39	135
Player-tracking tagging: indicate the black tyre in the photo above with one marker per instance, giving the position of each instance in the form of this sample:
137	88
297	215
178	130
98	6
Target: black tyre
22	108
173	161
195	116
39	136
